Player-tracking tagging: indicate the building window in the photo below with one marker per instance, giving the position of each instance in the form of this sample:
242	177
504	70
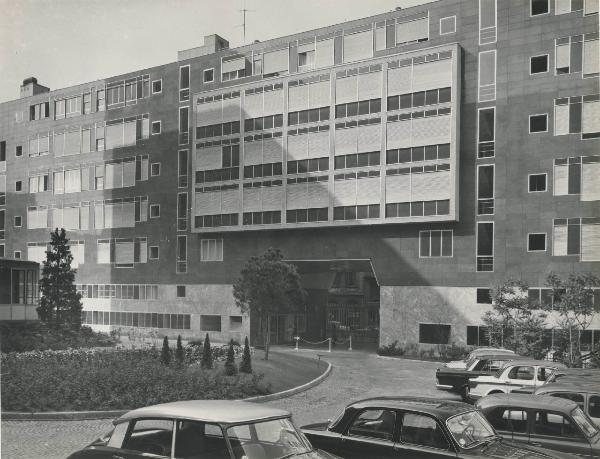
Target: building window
568	6
538	64
154	252
18	185
235	322
211	250
485	246
100	103
487	21
87	103
182	211
477	336
536	242
210	323
18	221
3	150
181	255
154	210
538	123
156	127
155	169
485	190
448	25
18	151
484	296
156	86
577	114
306	58
566	237
435	243
184	83
537	183
434	333
39	111
538	7
181	291
17	254
208	75
487	76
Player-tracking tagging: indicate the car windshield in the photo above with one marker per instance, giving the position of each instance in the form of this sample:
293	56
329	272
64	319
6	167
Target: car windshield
273	439
470	429
584	423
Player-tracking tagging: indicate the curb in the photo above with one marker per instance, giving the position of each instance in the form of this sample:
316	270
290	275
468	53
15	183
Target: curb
386	357
95	415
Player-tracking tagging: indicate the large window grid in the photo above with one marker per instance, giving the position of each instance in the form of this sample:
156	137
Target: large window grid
487	22
182	211
182	169
137	319
39	145
359	212
127	92
419	99
313	115
122	252
213	221
181	255
218	130
577	236
263	170
308	165
577	114
357	160
416	154
211	250
417	208
485	189
487	76
363	107
314	214
486	127
435	243
264	122
267	217
184	125
218	175
184	83
485	247
119	291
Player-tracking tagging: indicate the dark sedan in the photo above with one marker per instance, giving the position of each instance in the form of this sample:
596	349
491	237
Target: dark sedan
549	422
413	427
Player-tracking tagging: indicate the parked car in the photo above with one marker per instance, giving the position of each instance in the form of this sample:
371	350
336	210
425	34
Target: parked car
457	380
560	425
562	375
413	427
198	429
585	392
462	364
512	375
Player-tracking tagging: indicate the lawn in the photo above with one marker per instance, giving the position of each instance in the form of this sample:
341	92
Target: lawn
285	371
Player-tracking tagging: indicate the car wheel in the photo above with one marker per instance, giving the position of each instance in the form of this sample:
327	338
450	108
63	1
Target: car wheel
495	392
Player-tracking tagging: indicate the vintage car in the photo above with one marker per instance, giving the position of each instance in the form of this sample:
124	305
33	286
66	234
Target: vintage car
414	427
513	374
559	425
199	429
562	375
457	380
585	392
462	364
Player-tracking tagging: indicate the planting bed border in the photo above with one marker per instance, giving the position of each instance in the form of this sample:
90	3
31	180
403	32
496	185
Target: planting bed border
91	415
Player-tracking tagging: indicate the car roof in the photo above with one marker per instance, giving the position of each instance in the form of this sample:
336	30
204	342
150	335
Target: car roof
526	401
532	362
215	411
570	385
433	406
494	355
493	349
578	372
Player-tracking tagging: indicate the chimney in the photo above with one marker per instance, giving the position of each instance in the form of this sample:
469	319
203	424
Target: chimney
212	44
30	87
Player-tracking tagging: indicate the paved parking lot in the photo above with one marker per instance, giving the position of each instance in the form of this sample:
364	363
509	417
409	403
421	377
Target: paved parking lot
355	375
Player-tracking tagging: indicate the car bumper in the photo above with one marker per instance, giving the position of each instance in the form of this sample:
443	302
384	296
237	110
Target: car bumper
444	387
473	397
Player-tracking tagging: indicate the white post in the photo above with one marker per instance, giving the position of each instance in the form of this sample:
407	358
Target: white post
296	338
329	344
350	348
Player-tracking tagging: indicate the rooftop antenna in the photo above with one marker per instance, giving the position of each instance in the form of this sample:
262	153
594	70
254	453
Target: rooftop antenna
244	10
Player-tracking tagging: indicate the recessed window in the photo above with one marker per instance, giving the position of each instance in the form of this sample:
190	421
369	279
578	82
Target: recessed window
18	221
18	150
156	126
156	86
209	75
235	322
154	252
154	210
210	323
17	254
155	169
434	333
181	291
538	123
537	183
448	25
539	7
538	64
536	242
18	185
484	296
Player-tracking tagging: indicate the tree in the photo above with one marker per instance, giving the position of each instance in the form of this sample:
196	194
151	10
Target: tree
230	368
246	364
165	353
573	299
268	285
179	354
207	357
60	303
514	322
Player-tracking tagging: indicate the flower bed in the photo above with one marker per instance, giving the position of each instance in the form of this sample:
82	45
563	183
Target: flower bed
96	379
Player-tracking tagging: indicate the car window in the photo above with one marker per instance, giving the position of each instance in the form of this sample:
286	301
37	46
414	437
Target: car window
555	425
418	429
480	365
152	436
197	440
594	406
544	373
577	398
494	365
584	422
508	420
521	373
374	423
118	435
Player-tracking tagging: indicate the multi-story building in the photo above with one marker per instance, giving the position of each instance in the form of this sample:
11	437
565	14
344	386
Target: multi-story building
405	162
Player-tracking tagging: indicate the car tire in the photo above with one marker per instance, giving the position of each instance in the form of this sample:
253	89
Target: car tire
495	392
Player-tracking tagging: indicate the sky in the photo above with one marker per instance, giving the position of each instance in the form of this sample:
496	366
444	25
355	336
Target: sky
68	42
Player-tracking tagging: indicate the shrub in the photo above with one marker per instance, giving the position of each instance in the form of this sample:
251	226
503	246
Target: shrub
165	353
246	364
230	368
179	354
207	357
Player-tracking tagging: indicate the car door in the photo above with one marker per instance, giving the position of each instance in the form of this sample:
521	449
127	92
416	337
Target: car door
422	436
147	438
370	434
510	422
593	408
556	431
520	375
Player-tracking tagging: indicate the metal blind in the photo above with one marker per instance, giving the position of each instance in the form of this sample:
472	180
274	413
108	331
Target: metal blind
431	75
344	192
113	136
253	153
591	6
346	90
110	216
561	119
562	6
103	252
124	252
128	173
129	132
368	190
230	201
37	253
298	98
562	55
128	215
324	53
297	147
273	102
561	180
252	199
427	131
412	31
233	65
208	158
590	242
113	176
590	179
358	46
399	80
369	86
318	144
397	188
297	196
591	117
591	53
346	141
99	216
272	150
275	61
72	181
319	94
398	134
559	240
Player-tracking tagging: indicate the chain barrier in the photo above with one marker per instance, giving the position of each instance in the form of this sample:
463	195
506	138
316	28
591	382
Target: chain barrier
330	341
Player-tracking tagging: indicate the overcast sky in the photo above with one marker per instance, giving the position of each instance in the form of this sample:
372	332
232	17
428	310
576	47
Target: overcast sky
67	42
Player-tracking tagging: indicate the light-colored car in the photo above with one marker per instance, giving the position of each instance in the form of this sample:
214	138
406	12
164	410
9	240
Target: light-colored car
584	392
462	364
199	429
512	375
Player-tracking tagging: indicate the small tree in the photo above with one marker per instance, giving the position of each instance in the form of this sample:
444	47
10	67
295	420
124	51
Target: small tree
246	363
268	285
573	299
514	322
179	353
230	368
60	303
207	357
165	353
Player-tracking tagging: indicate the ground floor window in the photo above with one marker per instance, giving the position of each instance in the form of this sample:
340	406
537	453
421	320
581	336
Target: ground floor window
210	323
477	336
434	333
137	319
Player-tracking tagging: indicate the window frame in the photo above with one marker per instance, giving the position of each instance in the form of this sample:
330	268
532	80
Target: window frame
349	434
545	174
437	324
441	239
495	83
156	123
20	217
152	174
153	206
152	86
204	80
493	198
438	424
454	29
547	56
531	15
150	257
529	124
529	250
180	288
